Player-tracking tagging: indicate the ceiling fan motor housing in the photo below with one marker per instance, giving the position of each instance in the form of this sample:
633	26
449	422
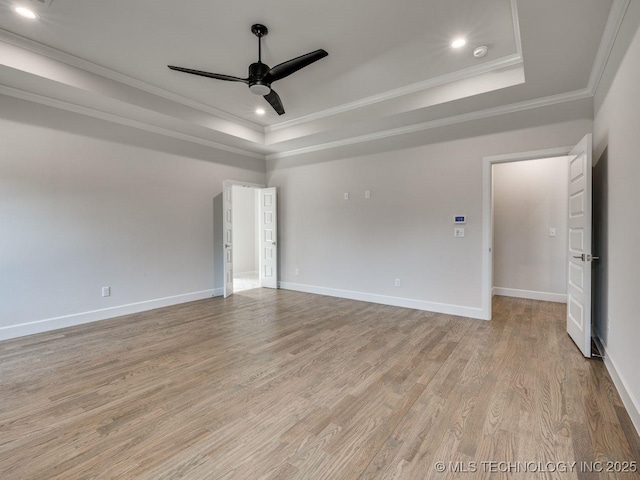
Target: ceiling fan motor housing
257	71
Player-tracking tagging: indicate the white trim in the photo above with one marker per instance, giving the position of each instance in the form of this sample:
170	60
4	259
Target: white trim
516	27
487	221
530	294
48	324
240	183
217	292
466	117
441	122
77	62
129	122
631	403
611	29
459	310
451	77
532	155
503	62
616	16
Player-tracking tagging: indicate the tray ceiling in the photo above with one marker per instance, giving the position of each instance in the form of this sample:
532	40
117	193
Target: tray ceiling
390	63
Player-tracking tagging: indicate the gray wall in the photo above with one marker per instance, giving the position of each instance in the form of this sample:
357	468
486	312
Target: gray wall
529	198
244	221
86	204
358	247
616	137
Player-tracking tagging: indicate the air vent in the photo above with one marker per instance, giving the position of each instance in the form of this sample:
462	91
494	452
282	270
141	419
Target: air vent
44	3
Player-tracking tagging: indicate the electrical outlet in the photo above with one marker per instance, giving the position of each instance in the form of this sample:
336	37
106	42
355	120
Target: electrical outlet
458	232
106	291
398	283
367	194
297	272
346	195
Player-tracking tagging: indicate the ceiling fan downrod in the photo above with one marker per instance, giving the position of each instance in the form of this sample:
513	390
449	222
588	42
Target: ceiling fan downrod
259	31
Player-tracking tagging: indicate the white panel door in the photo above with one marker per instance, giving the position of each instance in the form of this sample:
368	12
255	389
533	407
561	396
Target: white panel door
268	238
579	258
228	240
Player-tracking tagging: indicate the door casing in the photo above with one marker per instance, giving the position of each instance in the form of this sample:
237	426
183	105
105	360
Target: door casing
227	245
487	213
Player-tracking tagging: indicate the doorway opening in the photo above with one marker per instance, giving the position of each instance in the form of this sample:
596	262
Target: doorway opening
245	238
530	211
488	214
252	209
579	235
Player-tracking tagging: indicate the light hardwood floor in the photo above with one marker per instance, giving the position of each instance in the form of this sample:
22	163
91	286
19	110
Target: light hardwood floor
282	385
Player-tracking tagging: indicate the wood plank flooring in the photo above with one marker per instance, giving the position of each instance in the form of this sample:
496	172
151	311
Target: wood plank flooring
273	384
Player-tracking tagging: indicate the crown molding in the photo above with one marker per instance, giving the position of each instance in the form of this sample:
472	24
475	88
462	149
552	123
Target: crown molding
611	29
614	21
77	62
516	26
458	75
129	122
441	122
465	73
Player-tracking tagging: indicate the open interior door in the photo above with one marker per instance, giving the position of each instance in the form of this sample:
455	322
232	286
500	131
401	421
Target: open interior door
580	255
228	240
268	237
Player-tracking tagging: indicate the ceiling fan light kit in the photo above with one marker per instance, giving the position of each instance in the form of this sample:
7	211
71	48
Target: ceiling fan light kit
260	75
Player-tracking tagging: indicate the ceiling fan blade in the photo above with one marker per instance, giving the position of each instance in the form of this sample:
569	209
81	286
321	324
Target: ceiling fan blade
217	76
274	99
287	68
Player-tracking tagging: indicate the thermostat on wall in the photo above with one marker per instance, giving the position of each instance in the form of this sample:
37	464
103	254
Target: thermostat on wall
460	219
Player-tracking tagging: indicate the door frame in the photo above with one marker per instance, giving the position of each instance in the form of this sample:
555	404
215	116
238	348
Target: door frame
487	212
227	185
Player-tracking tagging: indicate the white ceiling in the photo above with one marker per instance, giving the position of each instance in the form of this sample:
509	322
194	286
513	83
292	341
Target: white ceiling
389	65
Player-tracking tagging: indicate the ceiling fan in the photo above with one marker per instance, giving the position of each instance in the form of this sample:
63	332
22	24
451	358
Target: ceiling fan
260	75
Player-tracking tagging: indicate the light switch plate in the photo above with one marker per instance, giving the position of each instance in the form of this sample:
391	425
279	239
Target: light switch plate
458	232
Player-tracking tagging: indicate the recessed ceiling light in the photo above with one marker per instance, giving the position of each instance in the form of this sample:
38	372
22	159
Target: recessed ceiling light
26	13
458	43
260	111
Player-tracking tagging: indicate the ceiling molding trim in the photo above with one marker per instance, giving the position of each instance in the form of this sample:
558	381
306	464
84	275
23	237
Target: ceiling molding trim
611	29
92	112
503	62
463	74
77	62
441	122
516	27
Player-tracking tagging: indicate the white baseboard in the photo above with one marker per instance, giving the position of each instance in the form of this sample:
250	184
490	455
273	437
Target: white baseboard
48	324
630	402
217	292
530	294
462	311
